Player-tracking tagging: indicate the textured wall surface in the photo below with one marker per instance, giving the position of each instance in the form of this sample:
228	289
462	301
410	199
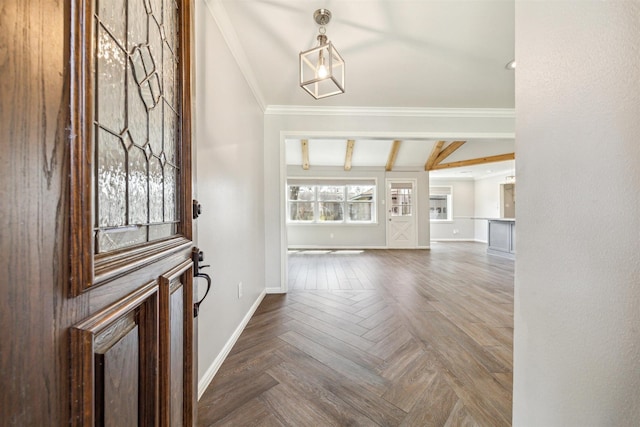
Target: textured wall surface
577	321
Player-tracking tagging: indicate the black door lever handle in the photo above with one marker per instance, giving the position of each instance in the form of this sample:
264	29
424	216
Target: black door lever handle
197	256
196	306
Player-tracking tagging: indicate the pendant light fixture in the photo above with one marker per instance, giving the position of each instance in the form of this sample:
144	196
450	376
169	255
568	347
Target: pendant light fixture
322	67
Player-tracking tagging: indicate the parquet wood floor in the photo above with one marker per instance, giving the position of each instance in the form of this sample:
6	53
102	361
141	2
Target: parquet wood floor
378	338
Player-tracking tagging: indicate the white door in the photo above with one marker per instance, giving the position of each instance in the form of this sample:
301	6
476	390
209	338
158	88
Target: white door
401	214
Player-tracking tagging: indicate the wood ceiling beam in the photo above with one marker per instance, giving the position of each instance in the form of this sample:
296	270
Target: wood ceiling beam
392	155
435	151
478	161
349	154
305	154
447	152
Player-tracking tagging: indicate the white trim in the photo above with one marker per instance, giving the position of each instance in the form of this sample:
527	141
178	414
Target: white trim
304	110
271	291
217	362
282	206
394	135
334	247
219	14
459	240
453	240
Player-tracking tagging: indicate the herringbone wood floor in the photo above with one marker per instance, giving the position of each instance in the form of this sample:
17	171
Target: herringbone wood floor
381	338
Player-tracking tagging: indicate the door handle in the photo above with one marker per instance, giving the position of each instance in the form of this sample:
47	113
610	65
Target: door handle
197	256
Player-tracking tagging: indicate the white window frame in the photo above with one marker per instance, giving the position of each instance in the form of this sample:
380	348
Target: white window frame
440	191
333	182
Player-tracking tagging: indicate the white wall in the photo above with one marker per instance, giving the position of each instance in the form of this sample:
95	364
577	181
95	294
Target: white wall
463	200
278	125
577	292
229	138
487	204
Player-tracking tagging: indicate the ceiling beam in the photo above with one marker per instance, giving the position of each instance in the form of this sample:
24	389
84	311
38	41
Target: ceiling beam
447	152
478	161
305	154
435	151
347	157
392	155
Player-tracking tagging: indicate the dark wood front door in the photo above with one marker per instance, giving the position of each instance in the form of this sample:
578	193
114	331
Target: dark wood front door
131	358
97	301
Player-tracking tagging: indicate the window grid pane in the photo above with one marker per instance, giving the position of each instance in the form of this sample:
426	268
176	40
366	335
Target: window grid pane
330	211
439	207
331	203
301	211
333	193
298	192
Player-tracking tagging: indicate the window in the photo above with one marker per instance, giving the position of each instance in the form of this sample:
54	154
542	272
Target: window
331	202
440	206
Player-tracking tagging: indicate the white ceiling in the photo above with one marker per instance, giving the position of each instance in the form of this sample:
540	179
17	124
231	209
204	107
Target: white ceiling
398	54
412	155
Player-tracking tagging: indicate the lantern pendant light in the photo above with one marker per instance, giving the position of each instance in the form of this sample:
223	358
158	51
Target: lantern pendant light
322	67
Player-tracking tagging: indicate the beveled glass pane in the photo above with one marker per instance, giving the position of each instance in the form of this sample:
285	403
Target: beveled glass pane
301	192
170	24
156	203
170	128
301	211
161	231
330	192
170	192
156	8
155	128
169	70
110	76
330	211
155	41
111	180
118	238
138	192
138	19
113	15
137	120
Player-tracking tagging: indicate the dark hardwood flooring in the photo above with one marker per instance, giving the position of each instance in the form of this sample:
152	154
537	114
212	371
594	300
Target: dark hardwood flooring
378	338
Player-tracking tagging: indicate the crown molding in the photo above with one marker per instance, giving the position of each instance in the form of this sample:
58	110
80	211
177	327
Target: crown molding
303	110
220	16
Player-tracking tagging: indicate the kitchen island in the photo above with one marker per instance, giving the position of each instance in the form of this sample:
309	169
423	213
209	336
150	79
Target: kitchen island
502	237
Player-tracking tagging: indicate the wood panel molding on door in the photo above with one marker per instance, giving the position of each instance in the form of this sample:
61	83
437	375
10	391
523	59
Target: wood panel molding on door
114	359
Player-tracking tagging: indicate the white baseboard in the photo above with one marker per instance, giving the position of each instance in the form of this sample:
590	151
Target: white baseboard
453	240
338	248
275	291
217	362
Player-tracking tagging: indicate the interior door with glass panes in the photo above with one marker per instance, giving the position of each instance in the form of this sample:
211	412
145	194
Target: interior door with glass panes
401	214
132	346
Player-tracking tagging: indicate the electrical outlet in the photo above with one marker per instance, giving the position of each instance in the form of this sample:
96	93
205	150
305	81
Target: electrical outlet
240	290
455	231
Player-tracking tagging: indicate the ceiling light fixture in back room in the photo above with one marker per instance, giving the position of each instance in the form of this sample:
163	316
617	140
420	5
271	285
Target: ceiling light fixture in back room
322	67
